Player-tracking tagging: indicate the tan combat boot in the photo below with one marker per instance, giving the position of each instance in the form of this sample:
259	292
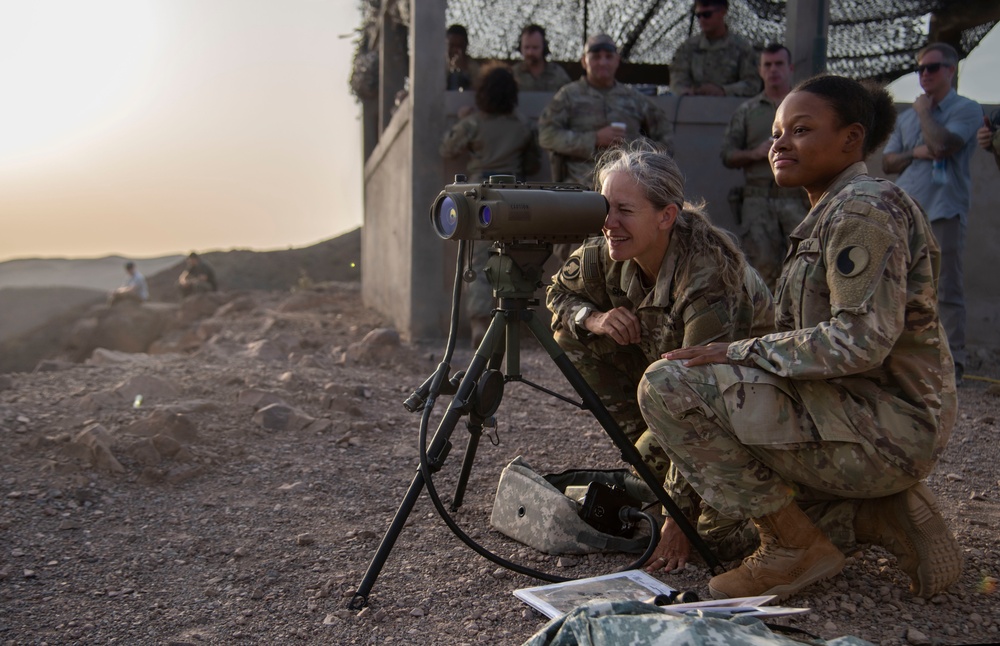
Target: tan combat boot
909	525
793	553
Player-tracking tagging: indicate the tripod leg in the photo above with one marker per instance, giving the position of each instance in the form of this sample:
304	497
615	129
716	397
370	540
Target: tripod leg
437	451
491	347
629	453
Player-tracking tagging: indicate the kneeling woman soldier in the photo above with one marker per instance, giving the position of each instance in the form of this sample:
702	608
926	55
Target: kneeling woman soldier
853	397
662	277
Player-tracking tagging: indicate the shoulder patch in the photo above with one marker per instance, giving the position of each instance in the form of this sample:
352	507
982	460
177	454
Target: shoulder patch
852	260
856	253
571	269
591	264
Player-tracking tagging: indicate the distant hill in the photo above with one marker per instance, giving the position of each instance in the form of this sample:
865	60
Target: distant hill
89	273
34	321
23	308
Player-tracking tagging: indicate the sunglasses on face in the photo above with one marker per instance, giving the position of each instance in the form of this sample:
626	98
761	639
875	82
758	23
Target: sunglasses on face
930	67
704	15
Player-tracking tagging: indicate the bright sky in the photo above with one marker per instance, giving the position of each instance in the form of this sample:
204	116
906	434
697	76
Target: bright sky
153	127
148	127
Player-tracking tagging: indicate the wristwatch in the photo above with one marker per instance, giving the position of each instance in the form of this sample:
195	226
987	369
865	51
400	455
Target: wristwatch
581	316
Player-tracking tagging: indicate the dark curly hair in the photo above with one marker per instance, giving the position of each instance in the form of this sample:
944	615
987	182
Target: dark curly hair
497	90
863	102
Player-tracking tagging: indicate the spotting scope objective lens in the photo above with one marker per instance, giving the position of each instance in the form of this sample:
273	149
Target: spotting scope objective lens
446	219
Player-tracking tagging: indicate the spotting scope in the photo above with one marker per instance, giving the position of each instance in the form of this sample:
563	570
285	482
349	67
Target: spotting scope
505	210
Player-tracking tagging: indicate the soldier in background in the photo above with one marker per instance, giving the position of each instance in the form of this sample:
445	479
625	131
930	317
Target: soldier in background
590	115
766	213
715	62
499	141
534	73
989	136
197	277
595	112
462	70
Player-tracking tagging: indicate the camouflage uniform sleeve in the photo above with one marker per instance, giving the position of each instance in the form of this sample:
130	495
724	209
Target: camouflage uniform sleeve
750	82
735	136
680	68
573	287
554	128
456	141
657	125
865	259
762	302
709	313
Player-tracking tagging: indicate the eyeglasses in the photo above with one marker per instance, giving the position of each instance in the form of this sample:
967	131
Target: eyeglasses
930	67
704	15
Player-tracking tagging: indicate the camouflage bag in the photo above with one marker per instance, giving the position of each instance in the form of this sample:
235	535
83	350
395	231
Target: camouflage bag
536	511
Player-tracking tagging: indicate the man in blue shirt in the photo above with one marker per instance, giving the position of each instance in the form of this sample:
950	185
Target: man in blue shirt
134	289
931	148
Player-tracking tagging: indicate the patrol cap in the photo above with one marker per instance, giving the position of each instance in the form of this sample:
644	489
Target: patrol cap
601	43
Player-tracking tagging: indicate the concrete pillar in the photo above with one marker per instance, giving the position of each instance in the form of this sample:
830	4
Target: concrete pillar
806	25
429	293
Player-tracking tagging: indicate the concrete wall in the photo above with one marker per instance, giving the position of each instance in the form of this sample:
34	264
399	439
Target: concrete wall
698	126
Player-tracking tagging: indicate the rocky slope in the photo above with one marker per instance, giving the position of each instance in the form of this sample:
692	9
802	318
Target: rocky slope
234	489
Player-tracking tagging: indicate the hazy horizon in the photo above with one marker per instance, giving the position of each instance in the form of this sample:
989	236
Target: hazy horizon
150	128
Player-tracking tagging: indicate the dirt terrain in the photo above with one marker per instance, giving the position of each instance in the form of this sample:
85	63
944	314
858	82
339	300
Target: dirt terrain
241	498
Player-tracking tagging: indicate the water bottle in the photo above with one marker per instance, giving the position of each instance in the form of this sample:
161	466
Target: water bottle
939	171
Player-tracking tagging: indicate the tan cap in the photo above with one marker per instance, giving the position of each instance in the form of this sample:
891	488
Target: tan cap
600	42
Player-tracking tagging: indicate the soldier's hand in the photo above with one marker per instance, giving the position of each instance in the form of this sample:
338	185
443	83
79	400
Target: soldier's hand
620	324
984	137
922	152
608	136
700	355
673	550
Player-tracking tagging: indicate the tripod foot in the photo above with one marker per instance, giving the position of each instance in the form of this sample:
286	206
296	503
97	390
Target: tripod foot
357	602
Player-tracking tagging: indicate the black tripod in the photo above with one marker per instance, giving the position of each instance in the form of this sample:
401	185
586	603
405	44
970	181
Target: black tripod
514	271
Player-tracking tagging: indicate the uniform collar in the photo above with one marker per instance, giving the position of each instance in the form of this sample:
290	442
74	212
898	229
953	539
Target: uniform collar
631	282
804	230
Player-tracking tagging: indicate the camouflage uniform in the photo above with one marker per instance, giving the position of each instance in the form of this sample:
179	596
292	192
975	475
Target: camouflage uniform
497	144
568	126
853	397
551	79
729	62
767	213
668	320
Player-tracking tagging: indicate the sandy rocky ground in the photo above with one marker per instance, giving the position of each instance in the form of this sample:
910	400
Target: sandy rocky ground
242	500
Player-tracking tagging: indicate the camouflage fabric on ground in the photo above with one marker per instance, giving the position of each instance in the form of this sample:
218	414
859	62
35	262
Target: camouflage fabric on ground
610	623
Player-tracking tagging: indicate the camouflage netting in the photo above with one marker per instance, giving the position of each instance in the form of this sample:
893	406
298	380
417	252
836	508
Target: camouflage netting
867	38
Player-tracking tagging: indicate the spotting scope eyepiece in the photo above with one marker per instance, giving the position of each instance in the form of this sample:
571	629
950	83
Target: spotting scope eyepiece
502	209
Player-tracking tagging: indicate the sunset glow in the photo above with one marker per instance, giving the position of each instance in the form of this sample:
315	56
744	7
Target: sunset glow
70	70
